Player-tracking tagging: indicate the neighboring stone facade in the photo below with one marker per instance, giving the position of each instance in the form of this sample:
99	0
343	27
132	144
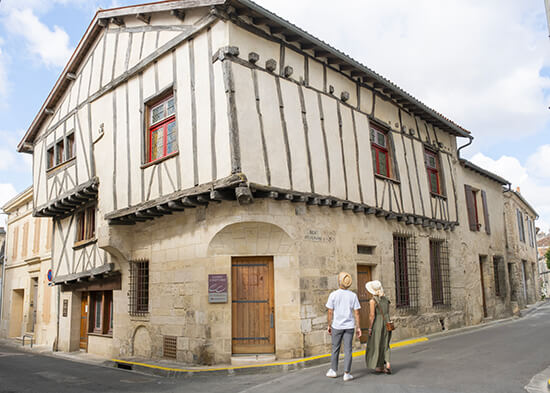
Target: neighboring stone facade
290	162
29	302
522	254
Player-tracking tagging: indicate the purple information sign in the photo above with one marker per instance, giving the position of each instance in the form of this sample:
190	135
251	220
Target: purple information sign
217	288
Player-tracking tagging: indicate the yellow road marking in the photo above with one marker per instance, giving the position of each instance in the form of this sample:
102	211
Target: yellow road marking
355	354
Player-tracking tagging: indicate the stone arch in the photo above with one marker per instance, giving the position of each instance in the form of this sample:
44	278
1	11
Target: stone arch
141	343
251	238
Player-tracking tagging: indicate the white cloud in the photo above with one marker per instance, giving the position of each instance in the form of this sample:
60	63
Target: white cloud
538	164
51	46
535	190
3	74
7	192
477	62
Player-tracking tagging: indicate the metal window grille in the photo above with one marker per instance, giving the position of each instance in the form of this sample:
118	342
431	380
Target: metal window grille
139	288
169	347
406	276
439	266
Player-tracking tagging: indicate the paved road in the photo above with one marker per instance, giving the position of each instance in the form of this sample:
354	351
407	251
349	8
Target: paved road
500	358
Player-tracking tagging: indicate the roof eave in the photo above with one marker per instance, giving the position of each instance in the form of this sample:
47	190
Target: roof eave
484	172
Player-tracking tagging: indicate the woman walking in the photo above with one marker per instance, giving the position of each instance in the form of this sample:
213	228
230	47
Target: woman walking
378	344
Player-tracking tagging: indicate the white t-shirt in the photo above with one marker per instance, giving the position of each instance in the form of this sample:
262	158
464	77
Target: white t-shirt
343	302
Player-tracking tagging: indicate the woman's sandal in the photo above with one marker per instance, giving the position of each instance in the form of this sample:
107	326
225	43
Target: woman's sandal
387	370
379	370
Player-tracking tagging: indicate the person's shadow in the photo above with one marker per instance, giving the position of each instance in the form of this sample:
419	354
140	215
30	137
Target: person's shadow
395	369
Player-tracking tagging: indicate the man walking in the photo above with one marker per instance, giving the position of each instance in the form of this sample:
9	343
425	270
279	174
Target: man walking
343	316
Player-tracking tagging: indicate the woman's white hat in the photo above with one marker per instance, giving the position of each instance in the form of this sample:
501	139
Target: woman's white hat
375	288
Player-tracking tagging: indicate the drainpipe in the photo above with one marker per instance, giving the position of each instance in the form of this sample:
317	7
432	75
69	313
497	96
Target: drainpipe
466	145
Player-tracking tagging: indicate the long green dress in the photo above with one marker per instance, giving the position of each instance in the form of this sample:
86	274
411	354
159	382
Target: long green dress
378	344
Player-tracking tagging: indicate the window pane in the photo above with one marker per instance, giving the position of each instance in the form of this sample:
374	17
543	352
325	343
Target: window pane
157	144
98	312
374	154
381	139
433	182
170	107
51	158
372	133
70	146
171	137
157	113
59	156
382	157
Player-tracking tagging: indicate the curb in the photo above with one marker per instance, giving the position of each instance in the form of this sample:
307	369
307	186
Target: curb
251	369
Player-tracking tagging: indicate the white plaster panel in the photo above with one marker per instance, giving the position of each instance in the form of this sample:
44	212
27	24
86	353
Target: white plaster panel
149	88
342	83
448	181
135	51
365	158
221	138
151	182
382	189
102	113
109	59
122	50
164	19
249	126
316	78
415	166
170	176
85	75
121	169
96	71
165	71
269	105
149	43
422	130
137	135
70	179
82	143
219	35
296	136
350	155
316	142
167	35
366	100
185	132
296	61
204	107
386	112
338	188
39	173
74	94
408	121
248	42
404	170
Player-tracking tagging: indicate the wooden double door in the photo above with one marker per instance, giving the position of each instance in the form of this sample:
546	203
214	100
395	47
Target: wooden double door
364	275
84	308
253	308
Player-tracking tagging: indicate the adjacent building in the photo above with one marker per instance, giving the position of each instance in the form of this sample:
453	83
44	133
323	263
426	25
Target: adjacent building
210	168
28	300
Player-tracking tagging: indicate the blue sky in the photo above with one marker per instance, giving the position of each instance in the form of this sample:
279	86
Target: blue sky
485	65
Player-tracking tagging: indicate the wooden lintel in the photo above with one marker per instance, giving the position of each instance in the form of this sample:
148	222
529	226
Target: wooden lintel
144	18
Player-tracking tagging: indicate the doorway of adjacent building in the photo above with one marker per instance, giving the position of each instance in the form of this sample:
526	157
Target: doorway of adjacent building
16	316
364	275
482	259
84	321
33	305
524	279
253	309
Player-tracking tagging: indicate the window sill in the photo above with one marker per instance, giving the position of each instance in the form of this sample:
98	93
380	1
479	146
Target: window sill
100	335
382	177
148	164
84	243
436	195
141	318
58	167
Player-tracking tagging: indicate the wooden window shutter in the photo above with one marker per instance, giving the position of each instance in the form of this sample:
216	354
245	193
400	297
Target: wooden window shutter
36	243
470	206
485	212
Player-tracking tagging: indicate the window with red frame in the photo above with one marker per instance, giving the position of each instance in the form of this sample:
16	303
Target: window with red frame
432	166
380	152
162	129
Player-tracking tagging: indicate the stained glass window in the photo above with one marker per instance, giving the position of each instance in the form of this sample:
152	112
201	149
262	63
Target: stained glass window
162	130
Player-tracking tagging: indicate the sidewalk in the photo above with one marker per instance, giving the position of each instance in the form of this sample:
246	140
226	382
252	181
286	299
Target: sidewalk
173	369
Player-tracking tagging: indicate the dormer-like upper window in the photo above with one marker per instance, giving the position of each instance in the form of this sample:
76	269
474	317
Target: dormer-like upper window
161	130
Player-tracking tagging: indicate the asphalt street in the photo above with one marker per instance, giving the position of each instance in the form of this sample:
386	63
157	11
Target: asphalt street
500	358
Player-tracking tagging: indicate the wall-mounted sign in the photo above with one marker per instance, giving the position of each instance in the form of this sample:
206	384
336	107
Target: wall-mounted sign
217	288
50	276
65	307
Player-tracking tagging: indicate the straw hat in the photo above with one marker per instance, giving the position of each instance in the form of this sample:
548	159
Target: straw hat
375	288
344	280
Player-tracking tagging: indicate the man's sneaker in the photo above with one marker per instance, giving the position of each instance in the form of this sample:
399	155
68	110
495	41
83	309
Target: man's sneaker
348	377
331	373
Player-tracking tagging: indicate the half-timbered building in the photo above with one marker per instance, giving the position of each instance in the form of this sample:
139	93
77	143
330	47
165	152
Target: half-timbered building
211	167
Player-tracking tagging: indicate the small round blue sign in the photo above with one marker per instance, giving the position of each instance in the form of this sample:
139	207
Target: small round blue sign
50	275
